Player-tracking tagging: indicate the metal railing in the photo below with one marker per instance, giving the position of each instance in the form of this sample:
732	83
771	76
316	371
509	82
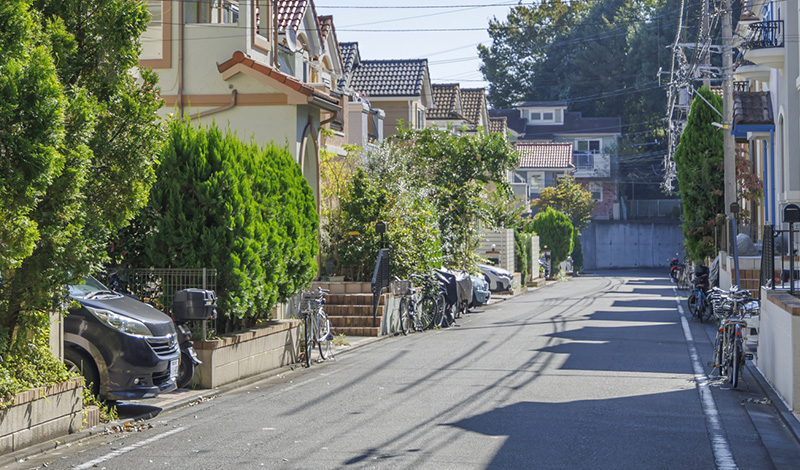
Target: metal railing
765	34
780	273
380	281
157	286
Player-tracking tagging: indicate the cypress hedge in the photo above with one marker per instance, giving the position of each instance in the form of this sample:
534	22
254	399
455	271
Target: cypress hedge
243	209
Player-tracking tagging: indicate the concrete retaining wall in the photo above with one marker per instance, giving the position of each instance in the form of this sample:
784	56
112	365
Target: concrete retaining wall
630	244
41	414
246	354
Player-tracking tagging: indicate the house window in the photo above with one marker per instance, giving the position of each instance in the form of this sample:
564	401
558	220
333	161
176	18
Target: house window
588	145
597	191
547	116
536	116
152	37
420	119
536	181
211	11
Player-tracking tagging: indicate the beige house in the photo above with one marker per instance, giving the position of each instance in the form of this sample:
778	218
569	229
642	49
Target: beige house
463	110
401	88
264	69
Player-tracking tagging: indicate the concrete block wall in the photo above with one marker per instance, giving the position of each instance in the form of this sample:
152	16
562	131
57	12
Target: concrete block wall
42	414
503	240
246	354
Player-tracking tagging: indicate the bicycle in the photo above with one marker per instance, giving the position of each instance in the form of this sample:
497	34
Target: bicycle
732	308
699	305
316	326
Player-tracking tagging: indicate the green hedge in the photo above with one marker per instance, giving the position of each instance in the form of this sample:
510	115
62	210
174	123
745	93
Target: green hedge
243	209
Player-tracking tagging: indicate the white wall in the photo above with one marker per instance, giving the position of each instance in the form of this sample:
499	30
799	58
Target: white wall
504	243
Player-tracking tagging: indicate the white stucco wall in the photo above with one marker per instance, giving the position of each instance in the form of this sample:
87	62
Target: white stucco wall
778	344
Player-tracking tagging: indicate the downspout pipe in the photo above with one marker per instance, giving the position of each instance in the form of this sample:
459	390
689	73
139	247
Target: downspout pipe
216	110
180	59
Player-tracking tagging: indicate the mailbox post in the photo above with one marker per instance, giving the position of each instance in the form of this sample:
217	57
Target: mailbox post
791	216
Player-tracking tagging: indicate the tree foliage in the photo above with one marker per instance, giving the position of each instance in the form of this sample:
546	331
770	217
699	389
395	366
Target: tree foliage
699	160
555	233
241	208
570	198
79	139
457	170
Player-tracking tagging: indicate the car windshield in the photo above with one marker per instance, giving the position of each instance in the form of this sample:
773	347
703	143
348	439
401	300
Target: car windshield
90	285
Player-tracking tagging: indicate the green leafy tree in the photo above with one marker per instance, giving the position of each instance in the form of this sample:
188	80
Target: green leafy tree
556	233
570	198
241	208
87	171
699	159
459	169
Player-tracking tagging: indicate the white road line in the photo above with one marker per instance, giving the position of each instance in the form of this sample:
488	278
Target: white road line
127	449
720	447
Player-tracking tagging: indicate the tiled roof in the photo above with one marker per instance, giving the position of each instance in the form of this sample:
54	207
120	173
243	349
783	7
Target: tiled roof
325	26
350	55
323	99
473	101
544	155
290	13
390	77
497	125
447	97
752	108
575	123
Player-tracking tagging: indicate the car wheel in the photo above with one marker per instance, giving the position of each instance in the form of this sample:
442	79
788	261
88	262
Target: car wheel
83	365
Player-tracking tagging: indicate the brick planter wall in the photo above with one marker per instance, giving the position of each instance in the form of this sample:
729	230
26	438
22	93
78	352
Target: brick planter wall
247	353
45	413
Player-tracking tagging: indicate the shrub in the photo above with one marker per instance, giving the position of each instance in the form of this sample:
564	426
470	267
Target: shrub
556	233
243	209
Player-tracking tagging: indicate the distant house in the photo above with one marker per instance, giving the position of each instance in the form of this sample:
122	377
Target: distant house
541	164
593	140
400	87
462	109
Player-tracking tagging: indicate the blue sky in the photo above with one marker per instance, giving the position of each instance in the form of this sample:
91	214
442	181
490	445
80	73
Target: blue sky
452	55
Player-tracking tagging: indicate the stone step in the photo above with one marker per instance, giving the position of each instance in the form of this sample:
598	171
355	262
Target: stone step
352	299
351	310
339	322
356	331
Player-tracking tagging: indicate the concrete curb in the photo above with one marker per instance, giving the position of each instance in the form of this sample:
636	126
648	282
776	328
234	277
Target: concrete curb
786	416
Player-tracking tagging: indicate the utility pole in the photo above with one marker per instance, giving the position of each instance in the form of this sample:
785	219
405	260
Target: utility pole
705	51
729	155
727	107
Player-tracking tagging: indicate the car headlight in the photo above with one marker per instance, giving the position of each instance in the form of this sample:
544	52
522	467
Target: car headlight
121	323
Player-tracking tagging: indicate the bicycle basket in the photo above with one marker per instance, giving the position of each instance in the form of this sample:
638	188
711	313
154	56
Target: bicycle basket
309	302
401	287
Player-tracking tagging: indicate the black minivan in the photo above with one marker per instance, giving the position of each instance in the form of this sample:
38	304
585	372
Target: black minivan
125	348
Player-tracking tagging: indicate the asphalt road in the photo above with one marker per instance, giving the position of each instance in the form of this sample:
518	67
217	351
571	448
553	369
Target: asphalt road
595	372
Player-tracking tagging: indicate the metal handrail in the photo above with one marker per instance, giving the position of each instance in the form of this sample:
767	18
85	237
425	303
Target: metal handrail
765	34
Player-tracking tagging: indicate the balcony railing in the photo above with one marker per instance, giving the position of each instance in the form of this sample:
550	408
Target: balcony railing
584	160
765	34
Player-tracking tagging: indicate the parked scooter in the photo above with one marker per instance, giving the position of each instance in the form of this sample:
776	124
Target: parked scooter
189	305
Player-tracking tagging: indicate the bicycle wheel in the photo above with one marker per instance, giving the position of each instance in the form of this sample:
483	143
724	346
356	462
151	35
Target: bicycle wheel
426	312
307	335
405	316
718	353
323	335
692	302
736	364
